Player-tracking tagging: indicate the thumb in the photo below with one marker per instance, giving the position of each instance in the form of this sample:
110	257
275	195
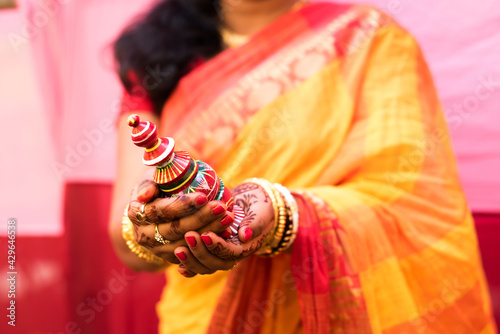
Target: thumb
147	191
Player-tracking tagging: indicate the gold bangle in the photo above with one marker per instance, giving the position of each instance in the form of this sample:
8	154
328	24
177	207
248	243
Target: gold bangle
286	235
282	218
286	240
133	245
292	215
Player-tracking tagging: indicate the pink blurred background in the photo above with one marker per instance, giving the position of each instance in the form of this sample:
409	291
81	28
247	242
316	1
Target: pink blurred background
59	99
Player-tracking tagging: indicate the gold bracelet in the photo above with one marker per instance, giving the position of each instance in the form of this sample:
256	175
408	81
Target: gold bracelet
133	245
292	214
284	241
287	239
282	218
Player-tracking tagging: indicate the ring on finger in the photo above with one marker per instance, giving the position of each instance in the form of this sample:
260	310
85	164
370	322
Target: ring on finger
159	237
141	214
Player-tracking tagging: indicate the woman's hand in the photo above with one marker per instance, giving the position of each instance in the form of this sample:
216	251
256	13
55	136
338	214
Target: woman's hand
207	252
174	217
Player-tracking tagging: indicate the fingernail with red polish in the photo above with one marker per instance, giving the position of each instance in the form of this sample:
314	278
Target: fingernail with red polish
202	199
181	256
183	273
191	241
248	234
218	210
226	234
143	193
207	240
226	220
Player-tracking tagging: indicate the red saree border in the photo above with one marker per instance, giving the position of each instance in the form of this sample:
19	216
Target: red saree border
329	291
328	288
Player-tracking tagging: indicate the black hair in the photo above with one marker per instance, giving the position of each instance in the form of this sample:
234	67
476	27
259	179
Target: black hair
160	47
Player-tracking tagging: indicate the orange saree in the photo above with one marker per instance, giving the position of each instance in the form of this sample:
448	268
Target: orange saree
336	103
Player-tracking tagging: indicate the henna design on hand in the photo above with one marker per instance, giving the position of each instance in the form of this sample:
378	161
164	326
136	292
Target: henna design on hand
163	213
225	253
175	226
246	202
245	187
145	241
249	218
254	246
240	251
257	205
267	199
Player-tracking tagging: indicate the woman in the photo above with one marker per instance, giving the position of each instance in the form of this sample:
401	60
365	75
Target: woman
334	102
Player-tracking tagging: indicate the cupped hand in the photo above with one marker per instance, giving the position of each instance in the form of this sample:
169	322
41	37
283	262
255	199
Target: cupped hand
208	252
174	217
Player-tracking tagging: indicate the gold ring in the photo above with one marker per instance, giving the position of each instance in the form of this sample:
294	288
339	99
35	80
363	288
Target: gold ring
159	237
141	214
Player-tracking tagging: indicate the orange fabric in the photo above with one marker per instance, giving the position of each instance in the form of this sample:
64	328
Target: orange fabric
336	101
186	305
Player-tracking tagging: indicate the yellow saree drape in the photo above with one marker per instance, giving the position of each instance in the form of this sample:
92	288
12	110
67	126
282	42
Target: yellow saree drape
337	103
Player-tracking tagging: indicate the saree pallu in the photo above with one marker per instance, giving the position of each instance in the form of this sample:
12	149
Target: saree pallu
336	103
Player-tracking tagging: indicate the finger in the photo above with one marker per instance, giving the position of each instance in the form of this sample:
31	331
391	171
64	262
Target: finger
147	191
165	209
259	220
227	233
172	208
219	225
166	252
145	236
190	262
137	213
185	271
208	217
206	258
245	234
226	249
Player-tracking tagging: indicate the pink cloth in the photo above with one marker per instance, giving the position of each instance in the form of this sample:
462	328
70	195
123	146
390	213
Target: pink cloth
74	59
